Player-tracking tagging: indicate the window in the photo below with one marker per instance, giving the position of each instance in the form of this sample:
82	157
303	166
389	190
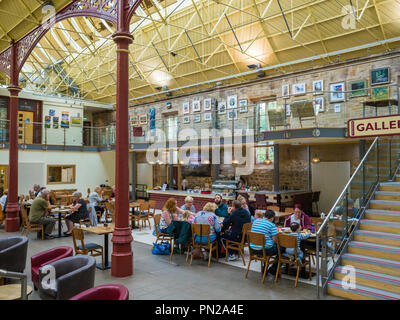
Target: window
172	128
60	174
263	116
264	153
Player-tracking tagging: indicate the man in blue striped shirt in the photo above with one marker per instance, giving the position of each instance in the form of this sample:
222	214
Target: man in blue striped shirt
267	227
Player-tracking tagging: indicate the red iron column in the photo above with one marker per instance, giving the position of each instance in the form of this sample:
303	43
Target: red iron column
122	255
12	217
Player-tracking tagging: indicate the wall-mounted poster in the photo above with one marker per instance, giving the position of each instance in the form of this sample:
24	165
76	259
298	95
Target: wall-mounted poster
152	118
186	119
336	92
319	105
338	108
186	108
232	115
207	104
357	88
380	76
55	122
134	120
76	121
243	105
207	116
299	88
381	93
47	122
52	112
65	119
143	119
196	106
285	91
197	118
318	87
232	102
221	107
288	113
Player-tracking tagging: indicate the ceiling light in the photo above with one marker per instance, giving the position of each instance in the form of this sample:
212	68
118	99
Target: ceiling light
254	66
261	74
316	159
268	161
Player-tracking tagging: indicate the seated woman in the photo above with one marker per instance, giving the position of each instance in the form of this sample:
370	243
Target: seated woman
207	216
300	217
79	212
189	205
251	210
170	212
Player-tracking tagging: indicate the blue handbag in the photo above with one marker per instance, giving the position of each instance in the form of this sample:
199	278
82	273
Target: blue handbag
162	248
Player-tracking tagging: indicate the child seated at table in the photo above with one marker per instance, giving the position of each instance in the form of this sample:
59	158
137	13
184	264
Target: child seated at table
296	231
188	216
258	215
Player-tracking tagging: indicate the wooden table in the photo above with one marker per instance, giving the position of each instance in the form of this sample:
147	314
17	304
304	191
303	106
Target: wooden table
278	214
99	230
13	292
59	211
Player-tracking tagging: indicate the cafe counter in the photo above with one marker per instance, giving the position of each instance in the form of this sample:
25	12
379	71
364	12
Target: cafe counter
199	200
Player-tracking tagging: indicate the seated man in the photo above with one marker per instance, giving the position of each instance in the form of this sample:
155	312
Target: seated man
222	208
39	212
235	220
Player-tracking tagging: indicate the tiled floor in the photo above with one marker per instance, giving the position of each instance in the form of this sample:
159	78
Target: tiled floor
155	277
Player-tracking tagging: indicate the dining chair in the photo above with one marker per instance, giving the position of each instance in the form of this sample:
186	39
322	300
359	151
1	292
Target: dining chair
27	226
152	204
110	210
238	246
258	239
274	208
143	215
202	230
289	210
333	242
92	249
290	241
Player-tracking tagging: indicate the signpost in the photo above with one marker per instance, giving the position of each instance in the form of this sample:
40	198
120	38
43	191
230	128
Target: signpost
374	126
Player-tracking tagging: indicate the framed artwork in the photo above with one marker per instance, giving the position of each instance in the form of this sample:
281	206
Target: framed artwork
47	121
318	87
196	106
337	92
357	88
65	120
221	107
52	112
134	120
287	108
186	108
232	102
207	104
243	105
76	122
186	119
319	105
232	114
338	108
380	76
380	93
197	118
55	122
285	91
299	88
207	116
152	118
143	119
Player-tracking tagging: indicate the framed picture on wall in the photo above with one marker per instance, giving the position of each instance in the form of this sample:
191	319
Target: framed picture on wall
76	122
143	119
299	88
186	108
337	92
319	105
196	106
338	107
47	121
318	87
207	116
134	120
380	93
232	102
52	112
186	119
207	104
357	88
287	109
380	76
197	118
232	114
55	122
285	91
221	107
243	105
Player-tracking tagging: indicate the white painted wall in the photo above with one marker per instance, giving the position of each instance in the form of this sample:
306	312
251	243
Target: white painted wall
92	168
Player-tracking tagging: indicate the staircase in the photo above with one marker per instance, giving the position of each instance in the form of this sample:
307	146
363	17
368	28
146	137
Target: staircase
374	251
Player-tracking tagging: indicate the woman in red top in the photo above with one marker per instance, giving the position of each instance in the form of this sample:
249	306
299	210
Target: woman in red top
300	217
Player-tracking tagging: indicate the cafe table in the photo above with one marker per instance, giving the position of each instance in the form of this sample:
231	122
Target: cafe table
13	292
60	212
102	230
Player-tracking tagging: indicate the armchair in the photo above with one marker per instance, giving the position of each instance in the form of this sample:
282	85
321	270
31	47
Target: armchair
13	251
104	292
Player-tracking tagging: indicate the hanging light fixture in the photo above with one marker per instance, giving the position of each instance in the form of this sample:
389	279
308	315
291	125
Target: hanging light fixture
316	159
268	161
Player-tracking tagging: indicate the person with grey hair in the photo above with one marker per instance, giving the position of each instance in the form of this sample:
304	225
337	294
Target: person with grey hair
39	212
79	211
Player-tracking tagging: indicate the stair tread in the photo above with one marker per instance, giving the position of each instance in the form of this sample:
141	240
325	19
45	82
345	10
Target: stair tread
390	184
376	276
386	235
368	259
392	202
388	193
381	222
383	212
366	291
375	246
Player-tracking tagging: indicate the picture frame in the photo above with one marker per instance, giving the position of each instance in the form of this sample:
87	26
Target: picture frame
232	102
380	93
76	122
55	122
232	114
285	91
319	104
186	119
134	120
186	108
243	105
380	76
338	108
47	121
299	88
357	88
52	112
337	92
287	109
207	105
221	107
143	119
318	87
197	118
207	116
196	106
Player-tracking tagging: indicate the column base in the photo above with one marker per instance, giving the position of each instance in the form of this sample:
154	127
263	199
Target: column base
12	218
122	255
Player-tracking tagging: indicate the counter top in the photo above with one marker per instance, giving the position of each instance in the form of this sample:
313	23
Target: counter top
272	192
185	193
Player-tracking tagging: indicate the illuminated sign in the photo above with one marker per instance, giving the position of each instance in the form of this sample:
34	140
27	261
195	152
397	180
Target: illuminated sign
374	126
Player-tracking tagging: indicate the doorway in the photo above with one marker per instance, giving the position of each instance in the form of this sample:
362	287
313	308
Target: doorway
87	133
25	127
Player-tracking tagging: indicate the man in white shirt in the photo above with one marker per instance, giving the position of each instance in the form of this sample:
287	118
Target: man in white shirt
3	198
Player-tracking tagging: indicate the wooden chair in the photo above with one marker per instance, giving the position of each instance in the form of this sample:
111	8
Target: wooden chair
163	236
140	201
27	226
142	215
331	239
202	230
110	210
290	241
274	208
238	246
92	249
152	204
289	209
85	222
259	240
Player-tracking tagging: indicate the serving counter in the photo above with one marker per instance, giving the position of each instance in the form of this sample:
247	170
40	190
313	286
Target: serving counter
199	200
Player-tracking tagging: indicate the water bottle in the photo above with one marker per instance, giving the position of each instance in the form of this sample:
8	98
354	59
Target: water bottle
322	215
312	228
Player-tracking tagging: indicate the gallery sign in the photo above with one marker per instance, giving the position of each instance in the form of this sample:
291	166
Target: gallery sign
374	126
